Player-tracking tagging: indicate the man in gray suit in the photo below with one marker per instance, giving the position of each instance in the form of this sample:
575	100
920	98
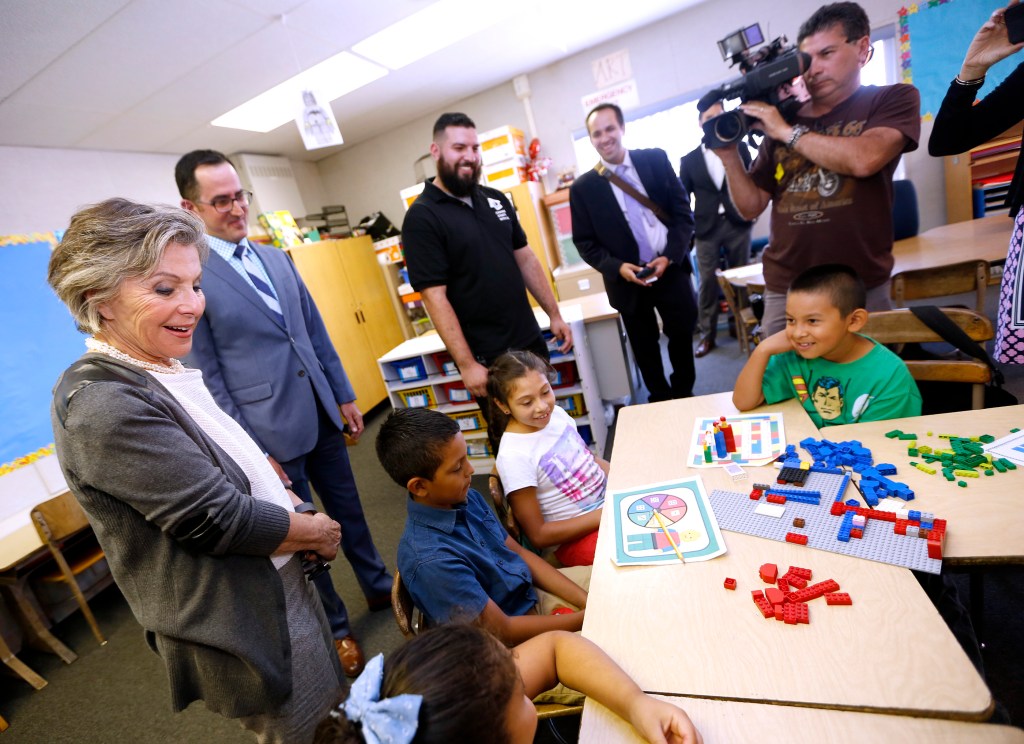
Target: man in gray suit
269	363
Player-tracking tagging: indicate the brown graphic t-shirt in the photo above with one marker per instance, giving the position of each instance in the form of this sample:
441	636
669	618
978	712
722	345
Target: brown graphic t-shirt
819	216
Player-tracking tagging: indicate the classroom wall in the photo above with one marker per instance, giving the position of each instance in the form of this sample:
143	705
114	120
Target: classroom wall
40	188
669	58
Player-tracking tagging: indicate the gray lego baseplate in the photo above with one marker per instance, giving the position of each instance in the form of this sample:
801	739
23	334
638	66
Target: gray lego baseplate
736	512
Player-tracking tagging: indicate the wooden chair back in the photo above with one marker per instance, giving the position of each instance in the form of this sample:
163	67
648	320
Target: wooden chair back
942	281
501	506
742	314
56	520
903	327
410	620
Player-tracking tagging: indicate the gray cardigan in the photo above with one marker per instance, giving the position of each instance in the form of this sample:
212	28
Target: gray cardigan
187	544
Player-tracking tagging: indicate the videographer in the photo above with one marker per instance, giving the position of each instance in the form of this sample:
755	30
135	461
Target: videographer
829	174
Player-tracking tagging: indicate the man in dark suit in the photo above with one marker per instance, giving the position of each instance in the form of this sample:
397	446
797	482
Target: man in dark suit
269	363
719	226
621	236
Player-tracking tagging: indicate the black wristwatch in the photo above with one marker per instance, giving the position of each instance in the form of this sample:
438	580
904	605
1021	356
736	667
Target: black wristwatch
305	508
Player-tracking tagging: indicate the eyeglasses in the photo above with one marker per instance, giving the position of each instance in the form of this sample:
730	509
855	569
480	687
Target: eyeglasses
225	204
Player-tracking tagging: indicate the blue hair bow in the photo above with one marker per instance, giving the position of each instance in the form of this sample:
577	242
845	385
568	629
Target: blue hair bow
389	721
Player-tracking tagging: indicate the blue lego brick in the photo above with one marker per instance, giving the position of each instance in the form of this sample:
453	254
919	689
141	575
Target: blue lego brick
886	468
914	515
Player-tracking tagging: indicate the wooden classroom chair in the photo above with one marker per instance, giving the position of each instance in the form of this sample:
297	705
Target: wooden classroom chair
942	281
56	521
903	327
742	314
409	619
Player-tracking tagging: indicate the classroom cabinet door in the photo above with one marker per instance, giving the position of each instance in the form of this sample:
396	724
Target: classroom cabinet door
323	271
371	294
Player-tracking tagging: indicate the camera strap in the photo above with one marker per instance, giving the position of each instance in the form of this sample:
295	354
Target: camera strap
629	189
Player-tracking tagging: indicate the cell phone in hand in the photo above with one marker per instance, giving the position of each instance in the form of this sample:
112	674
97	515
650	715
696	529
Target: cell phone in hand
645	272
1014	18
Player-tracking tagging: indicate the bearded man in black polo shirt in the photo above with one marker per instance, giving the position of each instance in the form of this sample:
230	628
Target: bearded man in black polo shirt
469	258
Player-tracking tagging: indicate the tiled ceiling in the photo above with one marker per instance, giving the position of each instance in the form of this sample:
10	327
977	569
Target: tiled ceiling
149	75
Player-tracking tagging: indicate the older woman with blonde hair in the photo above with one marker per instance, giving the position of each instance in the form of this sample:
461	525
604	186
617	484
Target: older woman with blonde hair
201	536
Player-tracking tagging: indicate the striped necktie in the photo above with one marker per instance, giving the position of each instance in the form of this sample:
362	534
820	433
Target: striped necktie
263	289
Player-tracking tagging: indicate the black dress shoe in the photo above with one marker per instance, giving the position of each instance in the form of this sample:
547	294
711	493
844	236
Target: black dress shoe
704	347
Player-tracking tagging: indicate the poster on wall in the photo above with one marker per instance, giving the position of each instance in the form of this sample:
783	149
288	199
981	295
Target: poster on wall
41	341
933	37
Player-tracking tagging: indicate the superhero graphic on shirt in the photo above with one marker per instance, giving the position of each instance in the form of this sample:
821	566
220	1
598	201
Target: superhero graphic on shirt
828	399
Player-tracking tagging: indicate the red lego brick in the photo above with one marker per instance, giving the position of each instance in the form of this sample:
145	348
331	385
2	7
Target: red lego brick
803	573
935	550
764	606
901	527
792	537
780	611
730	583
773	595
797	582
857	533
838	508
774	498
783	584
796	613
756	494
769	573
838	598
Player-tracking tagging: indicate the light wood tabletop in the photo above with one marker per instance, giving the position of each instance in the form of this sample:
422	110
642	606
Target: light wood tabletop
985	239
723	722
983	518
676	630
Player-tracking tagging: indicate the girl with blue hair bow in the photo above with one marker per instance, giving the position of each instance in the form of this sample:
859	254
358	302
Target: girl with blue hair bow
457	684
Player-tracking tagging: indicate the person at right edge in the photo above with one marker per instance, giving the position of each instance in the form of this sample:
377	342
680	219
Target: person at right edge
961	125
829	174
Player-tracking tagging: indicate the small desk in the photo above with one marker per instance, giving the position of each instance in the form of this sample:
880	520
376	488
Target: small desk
676	630
983	518
721	722
984	239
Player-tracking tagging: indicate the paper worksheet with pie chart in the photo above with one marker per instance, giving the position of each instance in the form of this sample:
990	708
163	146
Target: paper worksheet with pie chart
657	523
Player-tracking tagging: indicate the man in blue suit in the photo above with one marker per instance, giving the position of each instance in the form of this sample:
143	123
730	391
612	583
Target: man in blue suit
268	362
621	236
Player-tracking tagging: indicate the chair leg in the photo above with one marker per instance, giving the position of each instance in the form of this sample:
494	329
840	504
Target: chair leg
977	397
83	604
36	627
19	667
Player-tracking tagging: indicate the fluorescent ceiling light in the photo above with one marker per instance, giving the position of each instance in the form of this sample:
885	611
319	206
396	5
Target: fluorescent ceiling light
442	24
332	78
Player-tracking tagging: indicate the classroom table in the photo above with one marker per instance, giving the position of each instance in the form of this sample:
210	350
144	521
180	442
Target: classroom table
984	518
724	722
985	239
676	630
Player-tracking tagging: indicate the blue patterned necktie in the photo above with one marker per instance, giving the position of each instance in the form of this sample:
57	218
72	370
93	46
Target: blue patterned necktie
635	214
264	290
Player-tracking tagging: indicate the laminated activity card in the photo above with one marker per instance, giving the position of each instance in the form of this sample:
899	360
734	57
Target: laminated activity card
743	438
665	523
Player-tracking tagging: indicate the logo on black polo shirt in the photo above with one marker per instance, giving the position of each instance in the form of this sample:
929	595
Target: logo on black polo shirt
499	209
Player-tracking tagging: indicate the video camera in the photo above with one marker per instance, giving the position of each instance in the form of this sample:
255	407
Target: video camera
765	74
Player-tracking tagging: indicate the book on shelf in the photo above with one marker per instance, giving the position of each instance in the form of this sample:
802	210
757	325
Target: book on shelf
281	228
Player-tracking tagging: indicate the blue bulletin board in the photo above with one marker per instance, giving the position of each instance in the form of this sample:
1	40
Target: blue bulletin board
933	38
40	341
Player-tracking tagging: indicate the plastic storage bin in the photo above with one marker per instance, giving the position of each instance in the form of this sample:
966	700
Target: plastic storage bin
410	370
457	393
565	374
573	404
444	363
470	421
418	398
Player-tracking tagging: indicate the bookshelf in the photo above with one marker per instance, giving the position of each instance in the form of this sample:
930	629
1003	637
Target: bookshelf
988	168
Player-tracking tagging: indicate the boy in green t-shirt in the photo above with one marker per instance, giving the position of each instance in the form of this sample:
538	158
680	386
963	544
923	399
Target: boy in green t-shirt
838	375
